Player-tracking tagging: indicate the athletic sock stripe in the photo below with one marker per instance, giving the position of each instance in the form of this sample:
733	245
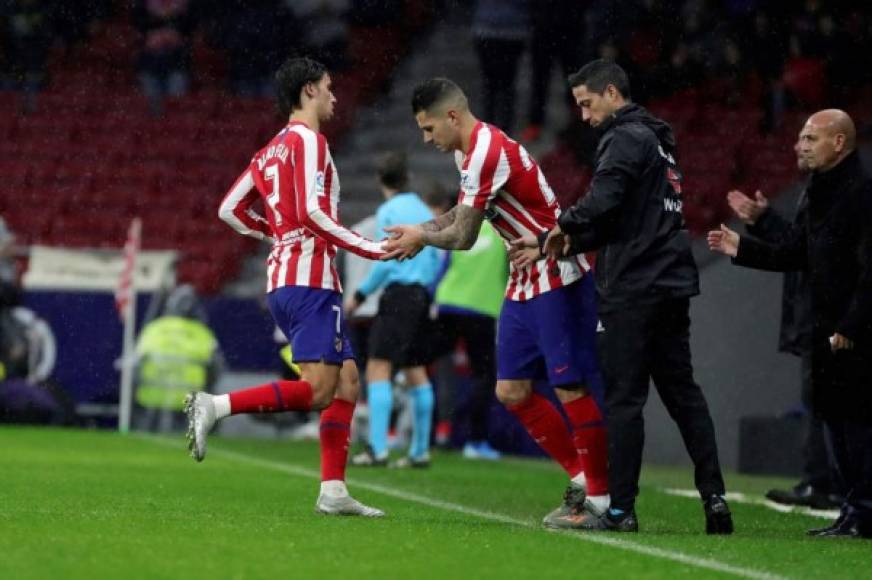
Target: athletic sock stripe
280	404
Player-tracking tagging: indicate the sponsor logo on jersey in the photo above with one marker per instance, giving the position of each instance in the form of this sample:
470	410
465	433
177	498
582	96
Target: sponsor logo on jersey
464	181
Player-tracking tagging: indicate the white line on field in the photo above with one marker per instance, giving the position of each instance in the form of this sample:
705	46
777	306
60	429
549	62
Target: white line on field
614	542
739	497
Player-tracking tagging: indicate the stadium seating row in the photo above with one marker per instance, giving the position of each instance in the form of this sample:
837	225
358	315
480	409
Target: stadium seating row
92	154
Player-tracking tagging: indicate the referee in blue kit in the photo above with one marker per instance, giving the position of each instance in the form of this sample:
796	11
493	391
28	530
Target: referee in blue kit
398	337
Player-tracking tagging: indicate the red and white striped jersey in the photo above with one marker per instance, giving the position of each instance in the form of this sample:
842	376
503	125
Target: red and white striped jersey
297	180
498	176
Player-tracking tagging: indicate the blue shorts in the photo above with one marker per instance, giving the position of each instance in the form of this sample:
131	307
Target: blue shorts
550	336
313	322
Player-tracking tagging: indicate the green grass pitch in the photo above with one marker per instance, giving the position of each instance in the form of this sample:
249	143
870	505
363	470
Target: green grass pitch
81	504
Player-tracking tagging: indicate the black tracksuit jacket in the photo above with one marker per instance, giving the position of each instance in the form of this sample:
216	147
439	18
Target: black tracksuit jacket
632	215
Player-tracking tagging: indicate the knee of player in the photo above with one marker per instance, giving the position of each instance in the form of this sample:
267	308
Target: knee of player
322	395
512	394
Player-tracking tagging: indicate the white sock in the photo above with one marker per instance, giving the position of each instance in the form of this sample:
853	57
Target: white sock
222	406
600	502
334	488
580	479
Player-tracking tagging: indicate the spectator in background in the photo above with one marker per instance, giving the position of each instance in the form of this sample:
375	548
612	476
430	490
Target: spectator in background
558	30
765	37
164	61
27	360
176	353
500	28
27	35
817	486
258	35
73	21
833	245
325	33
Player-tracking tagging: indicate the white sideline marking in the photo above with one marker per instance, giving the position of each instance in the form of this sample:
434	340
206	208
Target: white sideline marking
739	497
486	515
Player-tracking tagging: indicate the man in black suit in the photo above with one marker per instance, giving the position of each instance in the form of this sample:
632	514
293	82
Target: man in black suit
833	245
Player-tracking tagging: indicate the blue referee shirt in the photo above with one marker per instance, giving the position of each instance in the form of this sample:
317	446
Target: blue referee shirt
402	208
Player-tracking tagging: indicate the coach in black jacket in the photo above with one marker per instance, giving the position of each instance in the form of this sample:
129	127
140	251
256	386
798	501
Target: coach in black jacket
818	488
834	247
645	275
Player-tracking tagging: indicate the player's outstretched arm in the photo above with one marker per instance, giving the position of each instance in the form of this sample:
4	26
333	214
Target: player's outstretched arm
322	224
237	212
313	202
407	240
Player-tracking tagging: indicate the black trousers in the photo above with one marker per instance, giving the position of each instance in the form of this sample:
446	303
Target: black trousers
851	445
553	44
818	469
499	60
479	336
638	344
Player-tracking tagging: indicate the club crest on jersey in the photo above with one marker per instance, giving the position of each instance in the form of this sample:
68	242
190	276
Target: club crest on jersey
319	182
337	344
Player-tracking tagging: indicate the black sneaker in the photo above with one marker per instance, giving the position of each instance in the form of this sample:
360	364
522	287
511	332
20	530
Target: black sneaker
718	519
626	522
803	494
367	458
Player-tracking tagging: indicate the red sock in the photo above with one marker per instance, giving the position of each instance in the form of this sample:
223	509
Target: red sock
335	436
589	436
547	427
272	398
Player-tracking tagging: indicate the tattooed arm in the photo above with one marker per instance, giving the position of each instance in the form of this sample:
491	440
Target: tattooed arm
455	230
441	222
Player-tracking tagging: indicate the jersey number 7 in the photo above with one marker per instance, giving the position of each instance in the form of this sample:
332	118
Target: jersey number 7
271	173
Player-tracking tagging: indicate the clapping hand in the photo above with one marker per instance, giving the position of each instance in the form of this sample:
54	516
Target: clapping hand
746	209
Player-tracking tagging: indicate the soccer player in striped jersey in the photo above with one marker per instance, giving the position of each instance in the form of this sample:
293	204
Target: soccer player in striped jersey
295	177
547	323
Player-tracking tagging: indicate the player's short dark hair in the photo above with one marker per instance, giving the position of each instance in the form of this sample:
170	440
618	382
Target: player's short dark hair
597	75
392	170
292	76
434	92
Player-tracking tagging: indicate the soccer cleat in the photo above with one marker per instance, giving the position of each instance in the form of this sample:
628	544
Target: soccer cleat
480	450
200	410
573	504
407	462
718	519
345	506
368	458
